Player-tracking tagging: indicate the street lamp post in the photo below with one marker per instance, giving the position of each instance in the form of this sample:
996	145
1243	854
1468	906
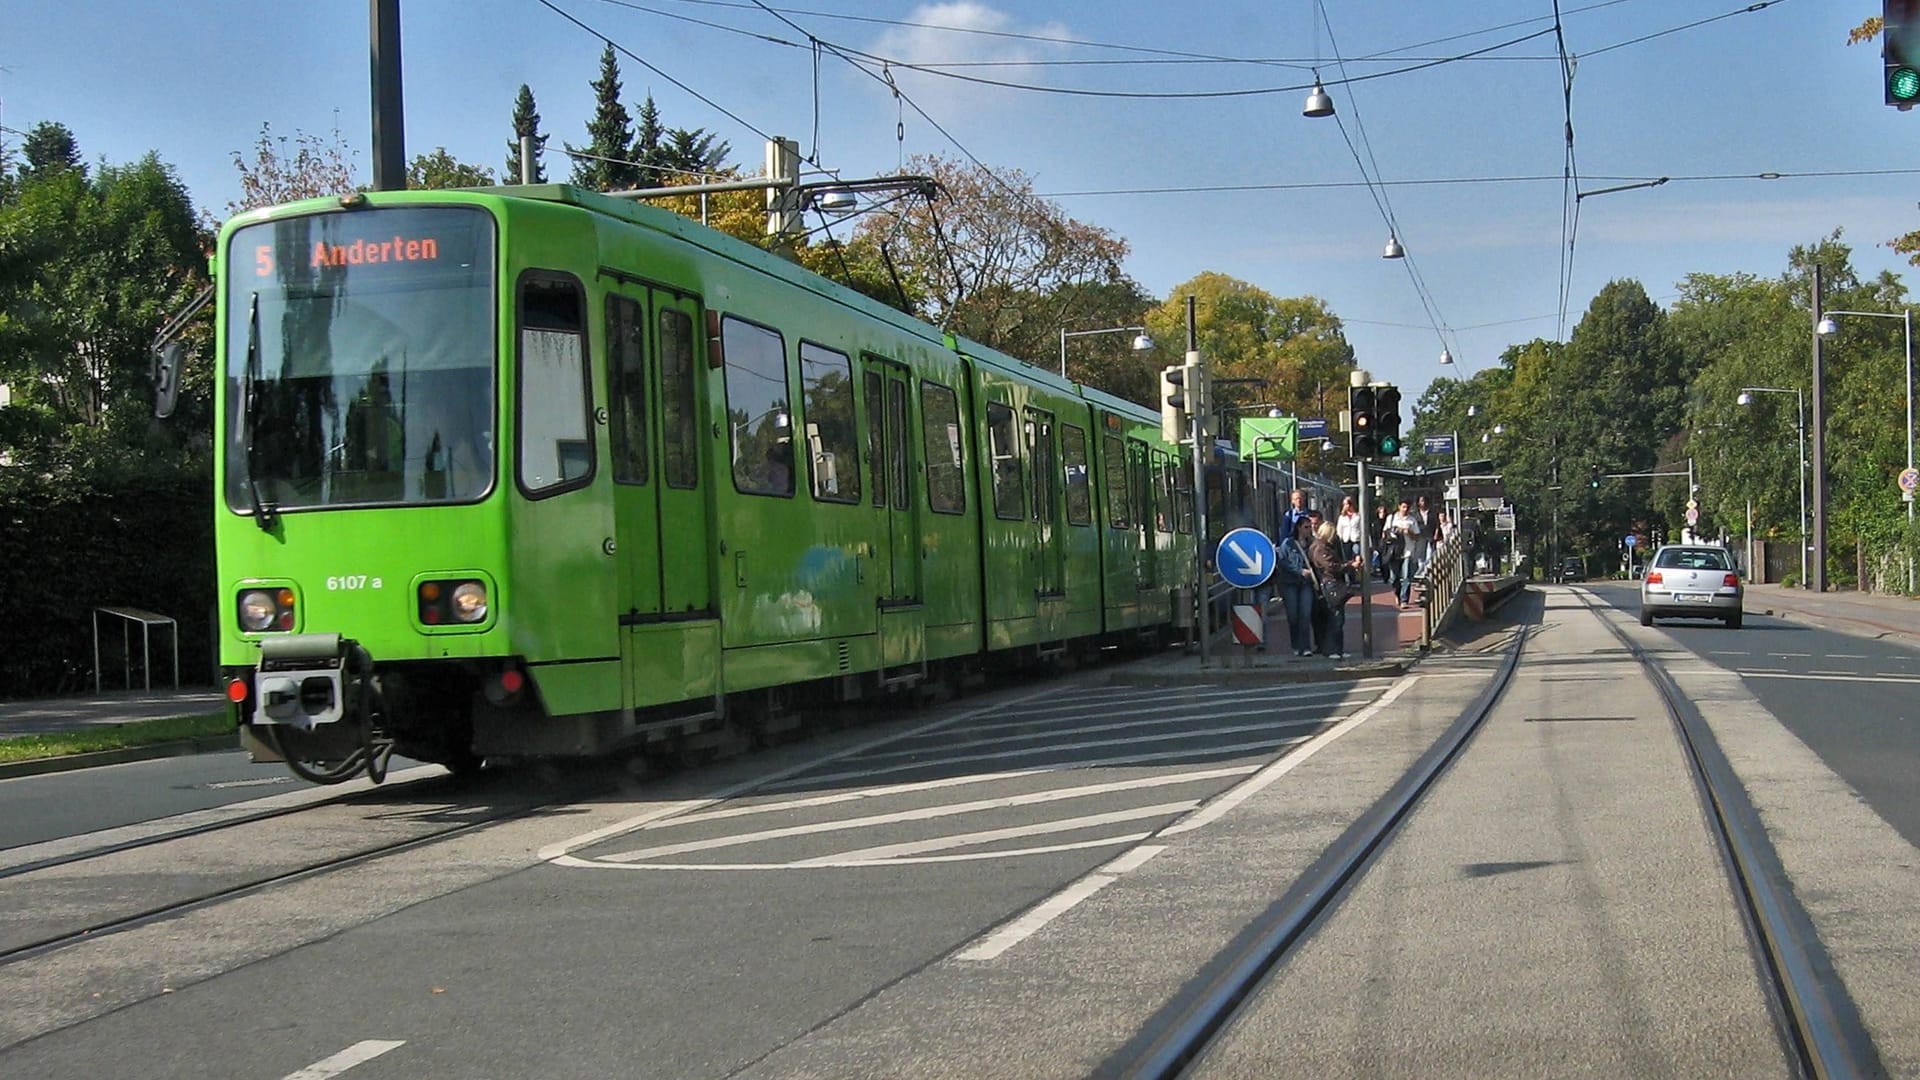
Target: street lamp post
1800	424
1828	326
1140	344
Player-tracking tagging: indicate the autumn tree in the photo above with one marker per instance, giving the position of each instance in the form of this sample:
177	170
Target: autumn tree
1295	347
526	124
606	164
992	262
286	169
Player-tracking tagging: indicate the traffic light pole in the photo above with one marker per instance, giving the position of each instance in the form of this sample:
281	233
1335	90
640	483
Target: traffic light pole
1366	566
1198	424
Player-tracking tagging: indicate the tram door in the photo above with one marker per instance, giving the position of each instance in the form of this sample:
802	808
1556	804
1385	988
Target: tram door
1140	479
1050	556
659	509
894	456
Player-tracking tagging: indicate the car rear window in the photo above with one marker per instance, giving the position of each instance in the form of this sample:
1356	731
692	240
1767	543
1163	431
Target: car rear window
1694	559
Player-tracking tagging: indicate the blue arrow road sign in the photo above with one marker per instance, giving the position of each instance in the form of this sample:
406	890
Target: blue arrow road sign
1244	558
1313	429
1632	540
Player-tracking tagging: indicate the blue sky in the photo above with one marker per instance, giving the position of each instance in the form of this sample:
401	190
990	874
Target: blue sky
1772	91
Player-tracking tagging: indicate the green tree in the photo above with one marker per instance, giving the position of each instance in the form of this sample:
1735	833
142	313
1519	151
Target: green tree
49	148
609	135
91	266
1295	346
440	170
526	124
286	169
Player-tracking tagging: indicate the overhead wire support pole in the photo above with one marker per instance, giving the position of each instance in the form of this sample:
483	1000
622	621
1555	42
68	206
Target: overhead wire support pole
1203	591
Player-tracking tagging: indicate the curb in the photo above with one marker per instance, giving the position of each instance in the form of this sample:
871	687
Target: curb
205	744
1260	676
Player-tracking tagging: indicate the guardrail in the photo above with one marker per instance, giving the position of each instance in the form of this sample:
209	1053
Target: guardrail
1445	574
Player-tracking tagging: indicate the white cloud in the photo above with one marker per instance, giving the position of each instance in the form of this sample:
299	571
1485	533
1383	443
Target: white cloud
969	33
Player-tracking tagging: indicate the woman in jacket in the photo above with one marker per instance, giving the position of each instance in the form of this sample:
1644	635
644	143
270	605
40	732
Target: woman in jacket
1294	570
1347	527
1330	566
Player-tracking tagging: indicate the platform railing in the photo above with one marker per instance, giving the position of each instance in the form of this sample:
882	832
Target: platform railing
1446	577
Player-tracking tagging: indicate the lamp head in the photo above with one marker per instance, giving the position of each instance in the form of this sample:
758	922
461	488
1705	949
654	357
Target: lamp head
1825	326
1744	398
1142	343
1318	103
1446	359
1393	249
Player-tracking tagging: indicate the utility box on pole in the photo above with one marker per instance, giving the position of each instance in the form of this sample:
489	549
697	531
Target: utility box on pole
783	196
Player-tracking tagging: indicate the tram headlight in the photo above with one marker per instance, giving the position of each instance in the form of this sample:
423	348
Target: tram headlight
258	612
469	602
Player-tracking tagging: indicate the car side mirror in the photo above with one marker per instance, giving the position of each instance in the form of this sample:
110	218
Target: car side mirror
166	377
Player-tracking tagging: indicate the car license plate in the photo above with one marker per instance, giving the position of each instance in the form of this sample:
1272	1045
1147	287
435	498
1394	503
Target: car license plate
1691	598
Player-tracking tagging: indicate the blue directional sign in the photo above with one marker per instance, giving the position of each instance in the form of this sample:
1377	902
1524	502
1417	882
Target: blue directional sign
1632	540
1313	429
1245	558
1438	444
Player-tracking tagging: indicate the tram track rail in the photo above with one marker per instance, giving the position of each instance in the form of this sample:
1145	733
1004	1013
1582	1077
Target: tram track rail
1177	1039
159	909
1818	1022
1819	1028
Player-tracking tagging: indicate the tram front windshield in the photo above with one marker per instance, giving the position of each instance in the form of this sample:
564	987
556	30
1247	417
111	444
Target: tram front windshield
360	359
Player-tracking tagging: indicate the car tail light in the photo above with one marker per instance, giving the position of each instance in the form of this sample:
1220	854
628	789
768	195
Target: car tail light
1731	581
1654	578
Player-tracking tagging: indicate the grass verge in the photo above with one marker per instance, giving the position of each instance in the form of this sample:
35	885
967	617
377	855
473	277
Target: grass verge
115	737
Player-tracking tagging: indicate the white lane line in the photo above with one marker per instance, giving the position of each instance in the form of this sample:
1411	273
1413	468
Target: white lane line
1727	652
1123	840
1194	703
922	751
357	1054
1791	655
1055	906
1054	748
923	813
989	836
1247	789
1846	656
553	852
1903	680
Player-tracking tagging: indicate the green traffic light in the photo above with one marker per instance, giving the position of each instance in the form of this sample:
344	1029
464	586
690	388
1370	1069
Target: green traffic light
1904	84
1389	446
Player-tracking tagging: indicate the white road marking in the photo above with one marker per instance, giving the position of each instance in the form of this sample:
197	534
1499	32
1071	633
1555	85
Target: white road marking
1727	652
258	781
923	813
988	836
1791	655
1903	680
1055	748
552	852
1219	807
921	751
847	864
1846	656
357	1054
1057	905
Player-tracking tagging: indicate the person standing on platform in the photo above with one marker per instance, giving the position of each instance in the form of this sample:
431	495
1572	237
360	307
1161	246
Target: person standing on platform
1295	572
1330	567
1347	528
1404	527
1296	513
1432	527
1377	541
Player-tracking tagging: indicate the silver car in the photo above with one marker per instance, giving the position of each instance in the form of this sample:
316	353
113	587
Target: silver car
1691	581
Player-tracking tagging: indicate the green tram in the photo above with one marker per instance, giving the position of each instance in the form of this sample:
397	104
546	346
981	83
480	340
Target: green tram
531	472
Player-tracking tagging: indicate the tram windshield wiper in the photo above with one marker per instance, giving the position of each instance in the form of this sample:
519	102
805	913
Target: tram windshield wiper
263	514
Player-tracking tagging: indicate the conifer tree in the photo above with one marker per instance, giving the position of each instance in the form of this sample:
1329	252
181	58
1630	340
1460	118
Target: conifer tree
610	135
526	122
646	144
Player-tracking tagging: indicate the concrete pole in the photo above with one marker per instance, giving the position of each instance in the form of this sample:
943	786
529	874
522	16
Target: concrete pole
1817	580
389	125
1198	428
526	159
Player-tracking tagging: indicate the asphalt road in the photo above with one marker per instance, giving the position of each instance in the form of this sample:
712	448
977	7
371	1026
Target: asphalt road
1852	699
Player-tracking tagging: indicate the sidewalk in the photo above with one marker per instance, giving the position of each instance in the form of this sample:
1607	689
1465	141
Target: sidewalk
1868	614
79	712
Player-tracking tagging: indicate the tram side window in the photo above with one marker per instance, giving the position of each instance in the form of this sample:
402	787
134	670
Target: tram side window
556	436
759	417
826	387
679	428
1009	489
940	431
627	388
1073	455
1183	495
1162	491
1119	513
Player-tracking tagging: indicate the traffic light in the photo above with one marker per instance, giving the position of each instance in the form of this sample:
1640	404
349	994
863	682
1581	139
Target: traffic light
1900	51
1173	404
1386	408
1363	422
1593	476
